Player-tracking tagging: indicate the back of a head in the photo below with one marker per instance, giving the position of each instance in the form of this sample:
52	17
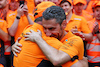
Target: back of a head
54	12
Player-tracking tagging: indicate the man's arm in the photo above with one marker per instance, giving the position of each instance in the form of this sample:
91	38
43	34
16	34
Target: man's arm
84	36
57	57
3	35
12	30
25	9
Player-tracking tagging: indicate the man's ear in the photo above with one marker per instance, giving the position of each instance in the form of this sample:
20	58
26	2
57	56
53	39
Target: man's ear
64	23
71	7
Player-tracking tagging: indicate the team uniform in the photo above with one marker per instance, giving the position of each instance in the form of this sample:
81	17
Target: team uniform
32	56
74	47
93	48
21	25
87	16
78	21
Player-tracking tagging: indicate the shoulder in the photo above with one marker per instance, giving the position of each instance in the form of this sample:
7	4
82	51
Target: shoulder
12	14
80	18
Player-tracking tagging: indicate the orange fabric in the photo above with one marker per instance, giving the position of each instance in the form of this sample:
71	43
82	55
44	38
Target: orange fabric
89	7
87	16
22	23
79	1
73	45
3	25
93	51
96	3
31	55
40	8
1	65
30	5
78	21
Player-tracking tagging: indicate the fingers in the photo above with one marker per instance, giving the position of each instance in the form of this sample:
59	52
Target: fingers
19	38
28	33
26	39
21	6
26	36
15	54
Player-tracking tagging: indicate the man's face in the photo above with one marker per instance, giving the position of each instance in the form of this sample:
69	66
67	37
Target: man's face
97	13
78	7
67	8
14	5
51	28
3	3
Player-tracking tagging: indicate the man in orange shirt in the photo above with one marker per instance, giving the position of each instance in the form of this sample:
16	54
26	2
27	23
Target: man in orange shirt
80	54
54	27
18	20
78	6
76	24
93	47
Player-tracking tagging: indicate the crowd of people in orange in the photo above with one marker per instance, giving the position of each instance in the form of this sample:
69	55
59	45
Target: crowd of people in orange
49	33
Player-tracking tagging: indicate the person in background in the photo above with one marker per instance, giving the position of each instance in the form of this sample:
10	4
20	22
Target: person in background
93	48
13	5
18	20
89	7
38	14
78	6
76	24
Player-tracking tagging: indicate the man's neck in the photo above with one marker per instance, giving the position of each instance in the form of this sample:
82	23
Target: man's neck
64	33
78	13
69	16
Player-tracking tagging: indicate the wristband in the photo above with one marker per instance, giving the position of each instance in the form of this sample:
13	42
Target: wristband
97	32
17	17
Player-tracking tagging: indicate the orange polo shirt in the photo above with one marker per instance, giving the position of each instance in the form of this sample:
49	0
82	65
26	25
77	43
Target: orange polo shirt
89	7
3	25
30	5
31	55
78	21
22	23
73	45
87	16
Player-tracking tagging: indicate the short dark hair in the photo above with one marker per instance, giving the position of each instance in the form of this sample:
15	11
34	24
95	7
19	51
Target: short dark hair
54	12
38	19
63	1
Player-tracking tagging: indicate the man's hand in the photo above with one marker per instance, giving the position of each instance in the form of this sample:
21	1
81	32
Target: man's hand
78	33
33	36
20	11
16	47
25	9
95	29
